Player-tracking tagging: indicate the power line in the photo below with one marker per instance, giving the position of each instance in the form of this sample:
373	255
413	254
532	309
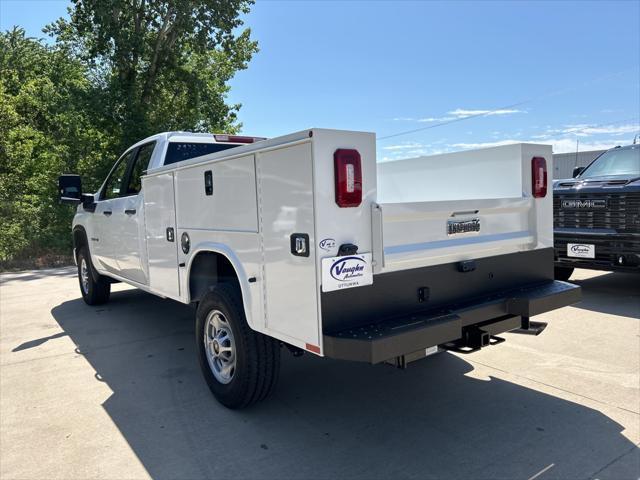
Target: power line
506	107
454	120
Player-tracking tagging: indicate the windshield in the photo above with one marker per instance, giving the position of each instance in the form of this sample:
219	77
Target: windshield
621	161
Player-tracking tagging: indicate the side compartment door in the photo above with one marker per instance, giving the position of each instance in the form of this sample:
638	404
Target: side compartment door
161	231
286	205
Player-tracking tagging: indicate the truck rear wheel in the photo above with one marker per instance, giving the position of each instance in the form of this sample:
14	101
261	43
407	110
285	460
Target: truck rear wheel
562	273
93	292
240	366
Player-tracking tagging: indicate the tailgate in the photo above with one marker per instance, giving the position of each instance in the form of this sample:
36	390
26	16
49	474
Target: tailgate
460	206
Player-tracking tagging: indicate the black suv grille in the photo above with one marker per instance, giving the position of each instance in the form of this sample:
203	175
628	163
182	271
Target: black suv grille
622	211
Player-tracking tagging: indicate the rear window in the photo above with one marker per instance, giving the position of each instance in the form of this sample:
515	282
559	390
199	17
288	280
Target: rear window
179	151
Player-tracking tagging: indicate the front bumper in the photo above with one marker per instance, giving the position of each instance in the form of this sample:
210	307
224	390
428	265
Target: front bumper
612	251
494	314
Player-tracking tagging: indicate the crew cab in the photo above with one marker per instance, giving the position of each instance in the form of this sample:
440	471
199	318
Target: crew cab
303	242
597	215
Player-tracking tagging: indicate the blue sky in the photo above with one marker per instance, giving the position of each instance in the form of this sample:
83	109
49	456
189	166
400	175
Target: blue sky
548	72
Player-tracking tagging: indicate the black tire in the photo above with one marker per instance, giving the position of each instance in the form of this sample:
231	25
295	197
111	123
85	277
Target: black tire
563	273
95	288
257	357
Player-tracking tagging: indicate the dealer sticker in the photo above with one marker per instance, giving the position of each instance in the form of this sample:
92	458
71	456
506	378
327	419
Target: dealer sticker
581	250
349	271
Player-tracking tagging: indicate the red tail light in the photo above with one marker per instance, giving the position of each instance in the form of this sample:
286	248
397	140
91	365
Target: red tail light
539	177
348	176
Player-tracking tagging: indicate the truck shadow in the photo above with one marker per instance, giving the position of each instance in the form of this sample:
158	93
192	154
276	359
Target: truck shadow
614	293
327	419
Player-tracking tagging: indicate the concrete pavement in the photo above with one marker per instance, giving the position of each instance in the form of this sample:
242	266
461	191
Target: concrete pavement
115	392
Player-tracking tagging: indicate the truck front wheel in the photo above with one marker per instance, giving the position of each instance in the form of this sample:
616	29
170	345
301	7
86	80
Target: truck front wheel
93	292
240	365
562	273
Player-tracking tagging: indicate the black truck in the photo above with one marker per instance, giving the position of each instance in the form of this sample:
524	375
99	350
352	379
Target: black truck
596	215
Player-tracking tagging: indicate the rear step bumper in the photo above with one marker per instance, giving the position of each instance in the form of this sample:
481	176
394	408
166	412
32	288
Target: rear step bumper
469	326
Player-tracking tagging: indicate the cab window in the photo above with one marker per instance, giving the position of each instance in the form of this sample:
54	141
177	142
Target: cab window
113	185
140	165
179	151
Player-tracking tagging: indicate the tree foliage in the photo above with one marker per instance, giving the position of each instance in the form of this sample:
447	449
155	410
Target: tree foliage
45	129
117	71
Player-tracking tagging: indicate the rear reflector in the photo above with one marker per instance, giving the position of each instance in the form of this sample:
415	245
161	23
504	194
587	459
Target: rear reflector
348	177
312	348
237	139
539	177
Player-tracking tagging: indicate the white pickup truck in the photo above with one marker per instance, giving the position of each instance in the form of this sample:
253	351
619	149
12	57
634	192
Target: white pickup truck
303	241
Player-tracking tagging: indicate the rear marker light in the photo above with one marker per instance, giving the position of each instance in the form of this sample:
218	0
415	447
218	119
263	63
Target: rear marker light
539	177
312	348
348	177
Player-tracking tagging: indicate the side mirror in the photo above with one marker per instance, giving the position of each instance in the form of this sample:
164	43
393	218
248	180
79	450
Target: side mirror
70	189
577	171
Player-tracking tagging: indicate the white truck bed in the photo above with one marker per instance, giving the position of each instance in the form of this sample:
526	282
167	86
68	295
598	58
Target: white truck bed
265	194
417	197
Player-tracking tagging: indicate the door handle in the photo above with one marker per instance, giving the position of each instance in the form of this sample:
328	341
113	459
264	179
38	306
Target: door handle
107	213
130	211
300	244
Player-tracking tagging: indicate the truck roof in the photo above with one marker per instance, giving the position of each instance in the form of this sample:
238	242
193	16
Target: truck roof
184	136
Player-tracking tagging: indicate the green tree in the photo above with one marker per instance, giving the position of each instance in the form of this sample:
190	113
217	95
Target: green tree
45	129
161	65
119	70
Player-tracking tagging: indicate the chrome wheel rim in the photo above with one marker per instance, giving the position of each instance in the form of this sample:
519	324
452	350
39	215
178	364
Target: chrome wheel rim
84	276
220	346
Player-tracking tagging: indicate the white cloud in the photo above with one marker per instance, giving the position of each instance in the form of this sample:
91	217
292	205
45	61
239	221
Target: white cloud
565	145
410	150
562	145
587	131
404	146
472	146
459	113
464	113
562	138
